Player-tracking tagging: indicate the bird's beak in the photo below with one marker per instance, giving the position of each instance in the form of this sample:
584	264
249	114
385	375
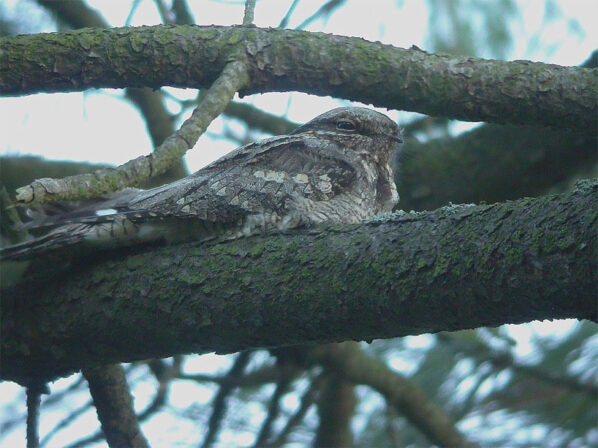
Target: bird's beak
397	138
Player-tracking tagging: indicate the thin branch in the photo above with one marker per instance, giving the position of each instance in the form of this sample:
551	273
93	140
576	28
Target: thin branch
77	11
248	14
393	435
306	401
265	375
233	77
33	404
8	424
181	12
257	119
66	421
134	7
440	171
506	360
165	14
219	404
10	221
336	408
323	12
274	407
114	404
159	123
164	373
350	362
285	20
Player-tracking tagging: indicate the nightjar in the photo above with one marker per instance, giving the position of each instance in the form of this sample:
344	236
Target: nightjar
336	167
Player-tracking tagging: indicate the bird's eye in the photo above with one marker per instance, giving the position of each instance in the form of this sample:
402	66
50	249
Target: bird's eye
346	125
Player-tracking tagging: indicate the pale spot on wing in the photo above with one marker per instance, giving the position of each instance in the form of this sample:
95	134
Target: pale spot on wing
271	175
324	186
301	178
106	212
275	176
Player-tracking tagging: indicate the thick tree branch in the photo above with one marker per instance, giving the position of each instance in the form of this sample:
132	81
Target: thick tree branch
454	268
519	92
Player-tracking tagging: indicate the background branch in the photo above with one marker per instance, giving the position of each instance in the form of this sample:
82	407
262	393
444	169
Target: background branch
404	394
114	405
503	162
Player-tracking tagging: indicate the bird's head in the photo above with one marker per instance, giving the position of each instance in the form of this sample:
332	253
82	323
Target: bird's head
365	131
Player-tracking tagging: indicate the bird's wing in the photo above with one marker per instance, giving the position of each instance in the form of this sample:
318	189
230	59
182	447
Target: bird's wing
253	178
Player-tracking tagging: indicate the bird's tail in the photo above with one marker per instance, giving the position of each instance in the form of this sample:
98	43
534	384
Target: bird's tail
51	242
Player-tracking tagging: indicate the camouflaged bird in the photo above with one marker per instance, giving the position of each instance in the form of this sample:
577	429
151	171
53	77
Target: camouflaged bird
337	167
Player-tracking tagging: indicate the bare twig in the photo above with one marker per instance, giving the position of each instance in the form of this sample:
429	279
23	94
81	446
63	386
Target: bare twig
285	20
352	363
233	77
219	403
249	10
77	14
258	377
33	403
274	407
68	420
258	119
506	360
324	12
307	400
134	7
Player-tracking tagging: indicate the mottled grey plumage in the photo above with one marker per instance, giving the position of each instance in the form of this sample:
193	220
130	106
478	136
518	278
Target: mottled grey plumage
334	168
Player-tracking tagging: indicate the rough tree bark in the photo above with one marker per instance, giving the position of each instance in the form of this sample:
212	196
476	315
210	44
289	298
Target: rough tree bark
519	92
454	268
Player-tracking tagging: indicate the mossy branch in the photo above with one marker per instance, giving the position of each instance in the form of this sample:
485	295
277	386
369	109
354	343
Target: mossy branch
517	92
454	268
